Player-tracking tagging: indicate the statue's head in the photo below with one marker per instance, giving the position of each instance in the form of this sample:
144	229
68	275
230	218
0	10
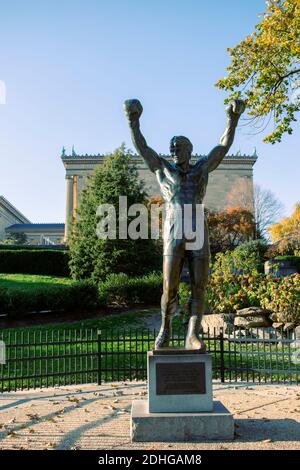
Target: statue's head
181	149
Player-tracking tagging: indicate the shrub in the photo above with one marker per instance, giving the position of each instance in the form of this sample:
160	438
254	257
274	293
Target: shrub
231	293
97	258
282	296
184	295
227	294
120	289
73	296
247	258
33	247
32	261
254	247
81	295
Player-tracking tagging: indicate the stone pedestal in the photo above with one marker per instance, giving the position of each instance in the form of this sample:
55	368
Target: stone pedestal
180	405
179	381
180	427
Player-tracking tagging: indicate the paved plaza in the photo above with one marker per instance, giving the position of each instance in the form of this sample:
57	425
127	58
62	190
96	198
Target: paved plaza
98	417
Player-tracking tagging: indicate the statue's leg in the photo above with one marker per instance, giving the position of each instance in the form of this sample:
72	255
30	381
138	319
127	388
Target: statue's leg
199	269
172	267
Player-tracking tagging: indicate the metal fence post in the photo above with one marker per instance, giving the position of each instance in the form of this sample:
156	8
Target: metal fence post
32	357
222	364
99	355
2	352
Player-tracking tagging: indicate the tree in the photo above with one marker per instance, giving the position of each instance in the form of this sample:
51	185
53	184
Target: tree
229	228
267	210
241	195
265	69
260	201
94	257
286	233
18	238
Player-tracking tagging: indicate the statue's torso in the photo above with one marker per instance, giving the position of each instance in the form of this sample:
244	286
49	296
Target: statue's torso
178	187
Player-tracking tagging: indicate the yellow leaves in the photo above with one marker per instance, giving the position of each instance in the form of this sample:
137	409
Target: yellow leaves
297	4
287	226
249	38
281	24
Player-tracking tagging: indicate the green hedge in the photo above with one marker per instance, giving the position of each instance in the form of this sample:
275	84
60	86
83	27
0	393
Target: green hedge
225	294
35	261
34	247
120	289
80	295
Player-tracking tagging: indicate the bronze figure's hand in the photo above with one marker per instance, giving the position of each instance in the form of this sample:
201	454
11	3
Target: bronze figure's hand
235	108
133	109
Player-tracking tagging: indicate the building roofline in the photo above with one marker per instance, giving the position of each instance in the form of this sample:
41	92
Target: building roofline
13	210
35	227
238	158
196	155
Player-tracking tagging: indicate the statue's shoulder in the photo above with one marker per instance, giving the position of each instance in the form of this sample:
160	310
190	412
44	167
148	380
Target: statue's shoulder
167	164
200	163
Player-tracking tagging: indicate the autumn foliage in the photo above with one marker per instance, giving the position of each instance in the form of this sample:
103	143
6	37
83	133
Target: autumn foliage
286	233
265	69
229	228
227	294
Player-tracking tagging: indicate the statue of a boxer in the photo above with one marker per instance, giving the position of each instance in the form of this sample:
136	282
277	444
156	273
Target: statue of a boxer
183	184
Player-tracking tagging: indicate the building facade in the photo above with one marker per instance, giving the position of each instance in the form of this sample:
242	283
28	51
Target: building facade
13	224
9	215
38	234
221	181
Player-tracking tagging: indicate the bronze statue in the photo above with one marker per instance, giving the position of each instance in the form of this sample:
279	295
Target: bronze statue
181	183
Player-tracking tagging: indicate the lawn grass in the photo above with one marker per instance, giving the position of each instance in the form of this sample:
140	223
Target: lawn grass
111	322
259	361
32	281
60	354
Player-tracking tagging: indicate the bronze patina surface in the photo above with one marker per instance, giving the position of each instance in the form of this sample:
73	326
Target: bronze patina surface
182	184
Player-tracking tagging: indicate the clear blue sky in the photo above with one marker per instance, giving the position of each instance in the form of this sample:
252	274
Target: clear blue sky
69	64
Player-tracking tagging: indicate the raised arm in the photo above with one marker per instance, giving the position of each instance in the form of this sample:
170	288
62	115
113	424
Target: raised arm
233	111
133	110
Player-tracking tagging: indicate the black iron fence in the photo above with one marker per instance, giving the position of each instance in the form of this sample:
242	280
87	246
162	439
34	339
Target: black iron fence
256	355
43	358
46	358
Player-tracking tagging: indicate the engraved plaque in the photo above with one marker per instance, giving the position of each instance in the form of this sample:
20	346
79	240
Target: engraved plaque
184	378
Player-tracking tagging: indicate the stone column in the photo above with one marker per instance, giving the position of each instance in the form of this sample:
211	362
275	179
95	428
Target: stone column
69	207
